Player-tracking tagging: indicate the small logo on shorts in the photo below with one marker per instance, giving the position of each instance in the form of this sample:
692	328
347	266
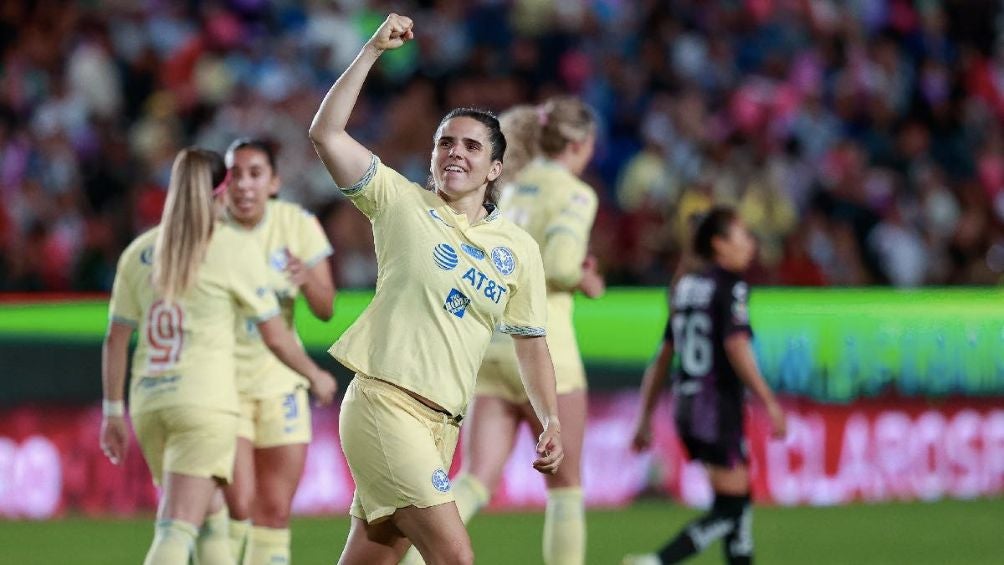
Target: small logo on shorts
440	480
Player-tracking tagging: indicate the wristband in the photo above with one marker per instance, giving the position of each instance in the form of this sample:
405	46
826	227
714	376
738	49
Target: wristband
113	407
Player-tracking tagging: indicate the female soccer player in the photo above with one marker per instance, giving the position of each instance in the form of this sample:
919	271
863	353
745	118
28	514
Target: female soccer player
555	143
184	285
709	327
274	427
451	270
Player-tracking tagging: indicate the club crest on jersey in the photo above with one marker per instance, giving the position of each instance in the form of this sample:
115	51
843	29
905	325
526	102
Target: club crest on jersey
440	480
457	303
146	256
445	256
504	260
279	259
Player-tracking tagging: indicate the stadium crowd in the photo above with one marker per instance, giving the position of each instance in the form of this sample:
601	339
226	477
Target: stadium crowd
862	141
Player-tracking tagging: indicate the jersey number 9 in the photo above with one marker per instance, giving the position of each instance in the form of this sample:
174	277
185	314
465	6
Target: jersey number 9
164	334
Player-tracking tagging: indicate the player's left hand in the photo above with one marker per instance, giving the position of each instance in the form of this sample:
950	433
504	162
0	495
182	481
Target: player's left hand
295	270
114	438
592	283
549	449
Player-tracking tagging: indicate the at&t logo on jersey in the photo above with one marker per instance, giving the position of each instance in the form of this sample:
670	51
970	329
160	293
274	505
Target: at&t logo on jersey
445	256
472	251
504	260
440	480
456	303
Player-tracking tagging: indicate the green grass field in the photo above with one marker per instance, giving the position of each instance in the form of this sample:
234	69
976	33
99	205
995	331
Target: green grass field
946	532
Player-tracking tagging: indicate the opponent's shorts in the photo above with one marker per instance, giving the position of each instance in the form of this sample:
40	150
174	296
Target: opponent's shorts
195	441
398	450
729	451
499	374
275	420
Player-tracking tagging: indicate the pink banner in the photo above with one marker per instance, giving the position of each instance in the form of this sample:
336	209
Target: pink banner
906	449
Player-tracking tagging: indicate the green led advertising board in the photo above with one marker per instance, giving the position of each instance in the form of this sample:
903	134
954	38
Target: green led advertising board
834	345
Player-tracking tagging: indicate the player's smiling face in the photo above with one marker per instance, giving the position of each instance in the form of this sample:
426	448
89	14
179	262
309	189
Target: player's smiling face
461	158
252	182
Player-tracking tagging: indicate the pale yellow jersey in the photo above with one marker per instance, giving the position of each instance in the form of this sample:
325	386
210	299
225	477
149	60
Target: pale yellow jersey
285	229
443	286
185	351
557	210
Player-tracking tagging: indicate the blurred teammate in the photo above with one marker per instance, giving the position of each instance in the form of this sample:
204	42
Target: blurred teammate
451	270
183	285
274	427
709	328
548	148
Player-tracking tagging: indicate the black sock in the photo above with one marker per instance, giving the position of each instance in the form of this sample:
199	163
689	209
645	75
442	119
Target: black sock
721	521
738	545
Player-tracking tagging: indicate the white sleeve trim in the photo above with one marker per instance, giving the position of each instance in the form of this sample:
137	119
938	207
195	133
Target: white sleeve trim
365	180
522	331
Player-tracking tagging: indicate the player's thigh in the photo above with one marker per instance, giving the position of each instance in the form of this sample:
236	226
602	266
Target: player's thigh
437	532
377	543
733	480
186	497
241	490
489	434
572	412
277	472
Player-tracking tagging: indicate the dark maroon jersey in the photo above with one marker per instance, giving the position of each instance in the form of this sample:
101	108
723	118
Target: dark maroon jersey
707	307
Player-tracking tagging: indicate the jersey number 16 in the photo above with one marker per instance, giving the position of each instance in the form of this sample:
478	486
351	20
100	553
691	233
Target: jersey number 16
692	334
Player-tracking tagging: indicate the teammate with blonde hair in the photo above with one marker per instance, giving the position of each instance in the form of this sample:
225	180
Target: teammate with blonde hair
184	285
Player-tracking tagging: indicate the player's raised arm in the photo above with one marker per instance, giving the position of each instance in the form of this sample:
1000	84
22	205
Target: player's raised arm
345	158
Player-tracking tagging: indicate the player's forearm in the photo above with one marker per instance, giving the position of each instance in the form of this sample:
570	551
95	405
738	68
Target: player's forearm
345	159
114	361
335	109
740	354
280	341
537	373
654	378
319	290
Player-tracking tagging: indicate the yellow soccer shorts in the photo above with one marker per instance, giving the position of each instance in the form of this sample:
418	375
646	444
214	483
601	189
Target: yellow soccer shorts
499	375
187	440
398	450
272	421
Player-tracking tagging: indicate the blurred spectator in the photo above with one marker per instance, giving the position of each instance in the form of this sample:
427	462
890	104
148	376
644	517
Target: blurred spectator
862	141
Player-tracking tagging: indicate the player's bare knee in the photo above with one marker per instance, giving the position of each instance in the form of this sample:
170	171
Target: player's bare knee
272	512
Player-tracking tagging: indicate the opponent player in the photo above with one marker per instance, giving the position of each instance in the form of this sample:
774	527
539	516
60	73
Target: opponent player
451	270
555	143
709	327
184	285
274	427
